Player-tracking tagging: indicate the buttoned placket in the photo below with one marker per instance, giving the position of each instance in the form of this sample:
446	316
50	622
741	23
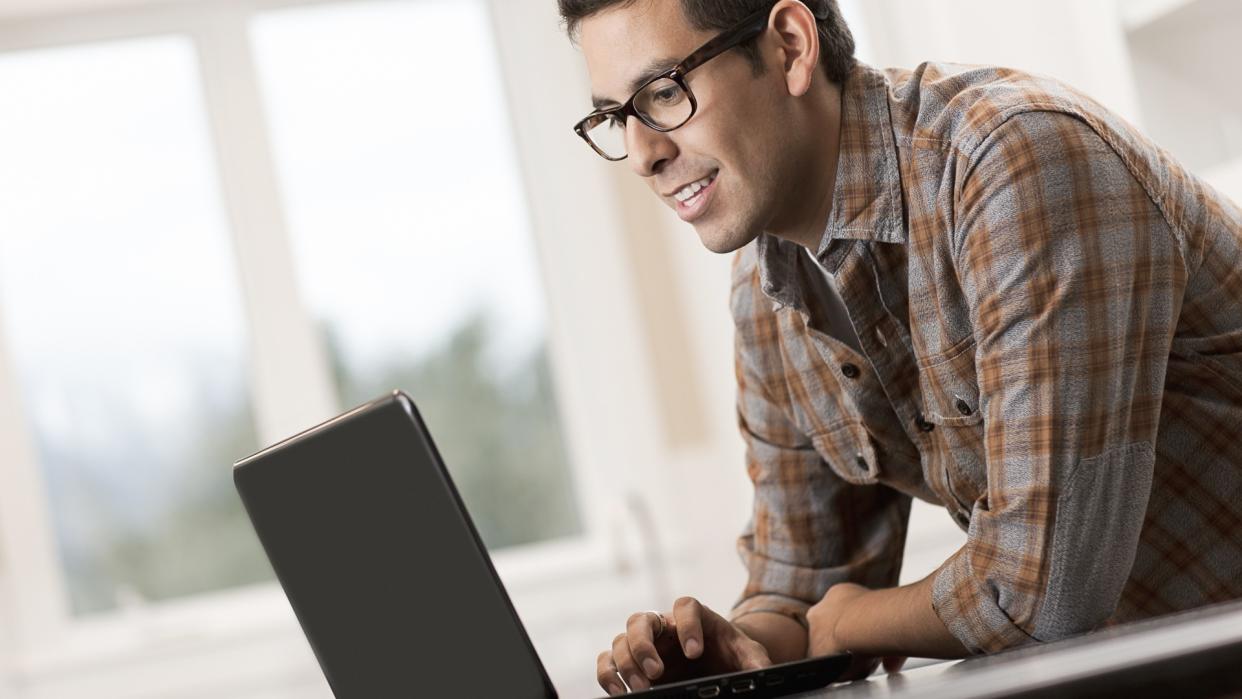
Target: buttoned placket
840	355
867	216
848	362
887	344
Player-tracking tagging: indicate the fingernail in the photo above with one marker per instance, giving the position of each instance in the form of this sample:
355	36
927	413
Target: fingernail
615	691
692	647
651	667
636	682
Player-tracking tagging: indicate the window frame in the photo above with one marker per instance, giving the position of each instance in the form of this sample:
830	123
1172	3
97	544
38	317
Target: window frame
610	417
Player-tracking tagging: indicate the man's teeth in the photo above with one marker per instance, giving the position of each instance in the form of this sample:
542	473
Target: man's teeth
692	189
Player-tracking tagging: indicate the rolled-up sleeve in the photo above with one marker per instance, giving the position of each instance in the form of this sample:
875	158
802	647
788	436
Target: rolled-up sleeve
1074	282
809	529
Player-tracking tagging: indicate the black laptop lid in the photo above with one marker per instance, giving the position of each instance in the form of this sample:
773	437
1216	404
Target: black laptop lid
385	572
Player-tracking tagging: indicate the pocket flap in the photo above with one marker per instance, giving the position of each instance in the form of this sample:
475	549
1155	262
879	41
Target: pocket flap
849	452
950	389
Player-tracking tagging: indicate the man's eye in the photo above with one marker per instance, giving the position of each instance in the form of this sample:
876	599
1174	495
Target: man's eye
668	95
616	121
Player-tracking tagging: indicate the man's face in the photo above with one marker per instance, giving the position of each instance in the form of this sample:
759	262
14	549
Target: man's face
732	147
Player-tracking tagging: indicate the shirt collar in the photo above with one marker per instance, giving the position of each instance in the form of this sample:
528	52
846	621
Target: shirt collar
866	200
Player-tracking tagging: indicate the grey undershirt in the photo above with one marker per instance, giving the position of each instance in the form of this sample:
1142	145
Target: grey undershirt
839	325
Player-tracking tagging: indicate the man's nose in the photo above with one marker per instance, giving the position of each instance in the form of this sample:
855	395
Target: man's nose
649	150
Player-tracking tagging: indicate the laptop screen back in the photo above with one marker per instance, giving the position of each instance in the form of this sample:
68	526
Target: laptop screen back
387	576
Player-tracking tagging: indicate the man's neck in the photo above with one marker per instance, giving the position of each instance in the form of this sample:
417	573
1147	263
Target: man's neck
806	223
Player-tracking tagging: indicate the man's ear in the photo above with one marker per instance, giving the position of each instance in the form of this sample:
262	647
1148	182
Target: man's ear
797	39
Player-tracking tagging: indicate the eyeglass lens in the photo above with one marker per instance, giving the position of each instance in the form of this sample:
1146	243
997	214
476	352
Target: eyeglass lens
662	104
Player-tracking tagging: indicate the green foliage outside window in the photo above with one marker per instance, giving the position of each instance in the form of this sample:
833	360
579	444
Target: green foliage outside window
500	436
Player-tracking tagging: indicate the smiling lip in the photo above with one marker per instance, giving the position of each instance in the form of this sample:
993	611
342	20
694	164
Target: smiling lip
695	206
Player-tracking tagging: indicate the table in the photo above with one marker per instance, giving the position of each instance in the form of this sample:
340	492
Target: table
1192	654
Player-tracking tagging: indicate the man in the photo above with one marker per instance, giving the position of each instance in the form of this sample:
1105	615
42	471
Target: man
966	285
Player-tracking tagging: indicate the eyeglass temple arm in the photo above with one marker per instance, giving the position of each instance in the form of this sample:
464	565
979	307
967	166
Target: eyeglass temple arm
748	28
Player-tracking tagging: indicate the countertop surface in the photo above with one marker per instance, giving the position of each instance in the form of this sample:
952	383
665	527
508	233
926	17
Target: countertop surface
1196	653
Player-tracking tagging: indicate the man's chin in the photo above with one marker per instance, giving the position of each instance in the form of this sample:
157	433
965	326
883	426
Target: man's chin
722	241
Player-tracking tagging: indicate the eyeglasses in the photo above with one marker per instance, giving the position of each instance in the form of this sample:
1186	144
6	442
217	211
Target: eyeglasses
664	102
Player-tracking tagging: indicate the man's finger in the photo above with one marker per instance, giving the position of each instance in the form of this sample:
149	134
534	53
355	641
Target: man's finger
862	666
688	620
893	664
606	674
640	630
627	666
750	654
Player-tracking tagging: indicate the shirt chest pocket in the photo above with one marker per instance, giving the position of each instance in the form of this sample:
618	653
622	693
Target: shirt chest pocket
849	452
949	389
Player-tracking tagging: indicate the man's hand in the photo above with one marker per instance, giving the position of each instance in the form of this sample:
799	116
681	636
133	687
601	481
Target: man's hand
691	641
897	621
824	618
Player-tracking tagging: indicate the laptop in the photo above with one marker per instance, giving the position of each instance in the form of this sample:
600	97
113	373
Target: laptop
390	582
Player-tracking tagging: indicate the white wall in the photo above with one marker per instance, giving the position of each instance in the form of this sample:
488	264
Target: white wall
1079	41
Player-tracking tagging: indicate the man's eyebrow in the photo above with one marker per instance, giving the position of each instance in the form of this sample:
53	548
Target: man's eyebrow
654	68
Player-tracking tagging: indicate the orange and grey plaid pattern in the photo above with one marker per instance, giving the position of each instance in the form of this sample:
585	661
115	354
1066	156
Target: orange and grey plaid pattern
1050	312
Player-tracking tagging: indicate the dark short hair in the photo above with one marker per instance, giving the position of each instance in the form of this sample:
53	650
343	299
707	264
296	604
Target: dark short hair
836	43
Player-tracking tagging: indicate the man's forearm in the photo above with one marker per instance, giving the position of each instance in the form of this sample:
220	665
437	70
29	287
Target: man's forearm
784	638
896	622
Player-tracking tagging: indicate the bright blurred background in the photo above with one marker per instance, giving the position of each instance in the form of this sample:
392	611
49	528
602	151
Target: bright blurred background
222	221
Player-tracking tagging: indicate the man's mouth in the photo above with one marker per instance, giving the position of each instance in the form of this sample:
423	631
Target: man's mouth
685	194
692	196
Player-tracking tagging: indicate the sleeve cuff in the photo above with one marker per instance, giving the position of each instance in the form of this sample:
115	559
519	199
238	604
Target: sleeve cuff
969	610
775	604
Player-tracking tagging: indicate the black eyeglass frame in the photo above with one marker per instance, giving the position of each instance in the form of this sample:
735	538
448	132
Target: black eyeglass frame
745	30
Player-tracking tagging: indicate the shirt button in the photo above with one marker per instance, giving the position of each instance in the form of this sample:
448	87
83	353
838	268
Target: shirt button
880	337
850	371
922	424
963	407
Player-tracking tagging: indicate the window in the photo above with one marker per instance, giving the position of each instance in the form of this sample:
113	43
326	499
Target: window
412	240
190	189
123	320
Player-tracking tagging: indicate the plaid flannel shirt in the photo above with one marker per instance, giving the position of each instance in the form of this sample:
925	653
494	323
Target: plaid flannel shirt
1050	313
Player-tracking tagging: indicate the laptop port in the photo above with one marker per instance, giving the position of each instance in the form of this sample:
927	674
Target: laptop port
773	680
742	686
709	692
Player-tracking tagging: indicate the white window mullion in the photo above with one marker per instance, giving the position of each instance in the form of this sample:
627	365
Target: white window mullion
36	608
287	357
579	241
